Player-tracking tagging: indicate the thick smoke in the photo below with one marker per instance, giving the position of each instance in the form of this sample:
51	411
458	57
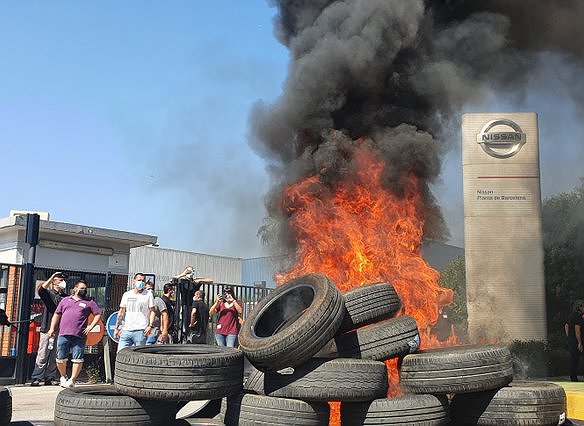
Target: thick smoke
396	74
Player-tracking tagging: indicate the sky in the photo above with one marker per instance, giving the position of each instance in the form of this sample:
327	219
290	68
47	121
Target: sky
134	116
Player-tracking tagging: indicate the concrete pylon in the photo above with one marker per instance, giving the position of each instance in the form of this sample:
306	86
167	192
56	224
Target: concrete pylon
505	287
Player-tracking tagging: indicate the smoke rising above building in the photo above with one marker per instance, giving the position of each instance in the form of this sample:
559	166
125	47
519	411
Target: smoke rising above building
390	76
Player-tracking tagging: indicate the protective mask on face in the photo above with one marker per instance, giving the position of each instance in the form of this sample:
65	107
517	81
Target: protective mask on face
62	285
139	285
82	292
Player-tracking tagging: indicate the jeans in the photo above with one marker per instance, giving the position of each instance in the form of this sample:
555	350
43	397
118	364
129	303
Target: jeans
44	365
226	339
131	338
151	339
75	344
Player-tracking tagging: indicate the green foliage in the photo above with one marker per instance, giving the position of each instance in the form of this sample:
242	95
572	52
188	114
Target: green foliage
94	368
536	359
563	237
454	277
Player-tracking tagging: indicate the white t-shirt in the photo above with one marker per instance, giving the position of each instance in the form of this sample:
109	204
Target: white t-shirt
137	309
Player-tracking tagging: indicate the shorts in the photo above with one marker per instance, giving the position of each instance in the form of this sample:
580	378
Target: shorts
73	344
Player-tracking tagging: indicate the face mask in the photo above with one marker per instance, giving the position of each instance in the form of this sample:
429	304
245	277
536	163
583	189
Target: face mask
139	285
62	285
82	292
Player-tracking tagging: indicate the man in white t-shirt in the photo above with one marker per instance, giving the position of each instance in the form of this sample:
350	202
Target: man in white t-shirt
138	312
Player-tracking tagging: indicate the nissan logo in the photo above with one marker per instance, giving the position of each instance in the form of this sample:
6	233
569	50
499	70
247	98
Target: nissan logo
501	144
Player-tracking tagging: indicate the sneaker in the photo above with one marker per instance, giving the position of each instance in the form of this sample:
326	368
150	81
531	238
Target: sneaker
35	382
49	382
63	381
70	383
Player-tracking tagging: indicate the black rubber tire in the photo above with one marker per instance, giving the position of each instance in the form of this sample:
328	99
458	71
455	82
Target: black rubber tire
5	406
368	304
105	405
519	403
409	409
460	369
380	341
179	372
251	410
324	380
292	323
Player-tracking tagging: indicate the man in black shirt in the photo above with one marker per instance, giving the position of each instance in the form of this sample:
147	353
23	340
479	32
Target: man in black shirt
170	304
199	318
574	331
51	292
186	285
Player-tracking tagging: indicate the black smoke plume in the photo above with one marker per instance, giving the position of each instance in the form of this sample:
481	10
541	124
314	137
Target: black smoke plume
397	73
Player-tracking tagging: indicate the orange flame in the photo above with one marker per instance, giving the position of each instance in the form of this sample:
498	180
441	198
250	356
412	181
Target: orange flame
360	232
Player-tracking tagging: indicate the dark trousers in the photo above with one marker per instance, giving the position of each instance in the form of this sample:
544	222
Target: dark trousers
575	355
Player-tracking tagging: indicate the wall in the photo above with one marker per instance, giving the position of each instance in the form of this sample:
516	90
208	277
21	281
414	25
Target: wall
166	263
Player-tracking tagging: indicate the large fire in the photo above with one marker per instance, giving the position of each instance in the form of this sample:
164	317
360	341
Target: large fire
360	232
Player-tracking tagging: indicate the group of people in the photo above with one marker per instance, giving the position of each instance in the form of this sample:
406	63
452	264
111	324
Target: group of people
64	328
143	319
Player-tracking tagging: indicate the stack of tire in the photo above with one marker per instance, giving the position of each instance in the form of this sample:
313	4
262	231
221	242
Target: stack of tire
151	384
309	344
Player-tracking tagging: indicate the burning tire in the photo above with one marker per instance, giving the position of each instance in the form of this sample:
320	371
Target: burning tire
5	406
427	410
380	341
368	304
292	323
324	380
249	409
104	405
460	369
179	372
519	403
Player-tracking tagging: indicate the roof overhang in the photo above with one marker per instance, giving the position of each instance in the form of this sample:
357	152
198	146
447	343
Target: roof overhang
18	222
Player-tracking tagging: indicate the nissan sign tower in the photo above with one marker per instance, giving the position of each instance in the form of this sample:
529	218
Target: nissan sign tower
502	227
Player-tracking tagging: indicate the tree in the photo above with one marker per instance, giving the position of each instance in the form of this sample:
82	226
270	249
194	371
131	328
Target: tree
454	277
563	238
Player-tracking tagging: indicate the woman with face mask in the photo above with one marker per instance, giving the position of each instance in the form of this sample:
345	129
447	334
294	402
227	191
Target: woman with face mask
71	318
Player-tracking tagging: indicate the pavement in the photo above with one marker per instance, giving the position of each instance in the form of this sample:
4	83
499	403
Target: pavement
33	405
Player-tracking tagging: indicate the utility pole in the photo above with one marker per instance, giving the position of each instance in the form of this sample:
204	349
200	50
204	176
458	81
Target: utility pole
26	296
